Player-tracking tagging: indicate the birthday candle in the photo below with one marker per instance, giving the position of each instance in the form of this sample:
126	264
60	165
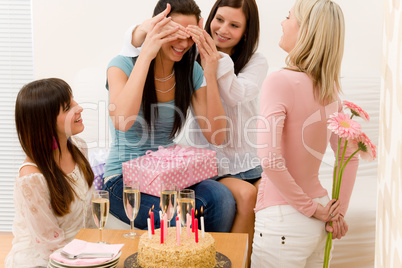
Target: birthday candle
165	220
202	227
196	230
178	212
192	220
160	215
149	228
202	223
178	228
188	225
179	215
162	230
151	214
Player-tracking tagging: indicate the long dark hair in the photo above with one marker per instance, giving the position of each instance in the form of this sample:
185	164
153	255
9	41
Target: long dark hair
183	71
248	45
36	110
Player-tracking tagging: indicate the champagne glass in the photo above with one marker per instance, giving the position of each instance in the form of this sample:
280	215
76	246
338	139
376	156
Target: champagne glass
186	202
131	202
100	210
168	200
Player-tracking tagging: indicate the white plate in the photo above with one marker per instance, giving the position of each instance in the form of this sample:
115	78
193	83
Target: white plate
110	265
53	264
106	264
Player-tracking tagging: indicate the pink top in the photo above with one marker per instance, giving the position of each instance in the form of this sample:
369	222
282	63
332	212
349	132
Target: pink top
292	139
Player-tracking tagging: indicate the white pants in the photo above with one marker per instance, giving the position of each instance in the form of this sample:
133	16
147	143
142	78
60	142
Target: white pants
285	238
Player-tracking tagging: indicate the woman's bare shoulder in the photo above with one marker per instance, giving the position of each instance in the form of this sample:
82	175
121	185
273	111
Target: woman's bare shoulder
28	168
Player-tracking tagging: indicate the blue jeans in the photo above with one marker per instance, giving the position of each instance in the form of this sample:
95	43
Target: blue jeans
217	201
251	175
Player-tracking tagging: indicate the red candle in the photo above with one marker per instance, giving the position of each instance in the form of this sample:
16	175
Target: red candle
196	230
192	220
162	231
151	214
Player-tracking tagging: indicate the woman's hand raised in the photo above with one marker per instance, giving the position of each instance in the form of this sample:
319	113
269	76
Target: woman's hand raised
149	24
158	36
158	30
206	47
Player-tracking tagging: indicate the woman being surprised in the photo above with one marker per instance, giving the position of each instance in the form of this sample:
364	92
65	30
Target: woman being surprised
227	50
52	194
293	208
149	98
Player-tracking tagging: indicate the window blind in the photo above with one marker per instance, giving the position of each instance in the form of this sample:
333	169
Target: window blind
16	69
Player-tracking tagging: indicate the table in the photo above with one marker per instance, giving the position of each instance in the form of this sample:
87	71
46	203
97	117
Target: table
234	246
5	245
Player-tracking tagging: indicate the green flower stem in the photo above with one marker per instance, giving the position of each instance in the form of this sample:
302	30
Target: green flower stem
350	157
328	243
328	246
336	168
344	166
339	180
336	187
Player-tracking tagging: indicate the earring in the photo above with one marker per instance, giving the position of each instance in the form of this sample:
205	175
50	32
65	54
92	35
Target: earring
54	146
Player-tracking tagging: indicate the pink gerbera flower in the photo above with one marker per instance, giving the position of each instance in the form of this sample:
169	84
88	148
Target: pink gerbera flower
343	126
367	148
356	110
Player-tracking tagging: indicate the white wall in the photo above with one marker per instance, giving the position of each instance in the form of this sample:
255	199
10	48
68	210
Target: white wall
75	40
363	20
389	202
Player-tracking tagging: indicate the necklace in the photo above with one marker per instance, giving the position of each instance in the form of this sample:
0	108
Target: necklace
161	91
164	79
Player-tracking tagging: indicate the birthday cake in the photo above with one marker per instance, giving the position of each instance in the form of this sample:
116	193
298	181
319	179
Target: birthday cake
152	253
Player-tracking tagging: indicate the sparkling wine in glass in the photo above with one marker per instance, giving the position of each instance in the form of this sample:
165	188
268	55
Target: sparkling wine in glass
186	202
100	210
168	199
131	202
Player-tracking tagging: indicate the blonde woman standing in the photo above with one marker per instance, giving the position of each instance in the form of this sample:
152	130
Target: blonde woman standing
292	207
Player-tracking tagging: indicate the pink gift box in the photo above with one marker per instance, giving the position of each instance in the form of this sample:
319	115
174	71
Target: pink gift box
184	166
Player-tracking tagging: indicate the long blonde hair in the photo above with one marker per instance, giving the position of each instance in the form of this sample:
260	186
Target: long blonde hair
319	47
